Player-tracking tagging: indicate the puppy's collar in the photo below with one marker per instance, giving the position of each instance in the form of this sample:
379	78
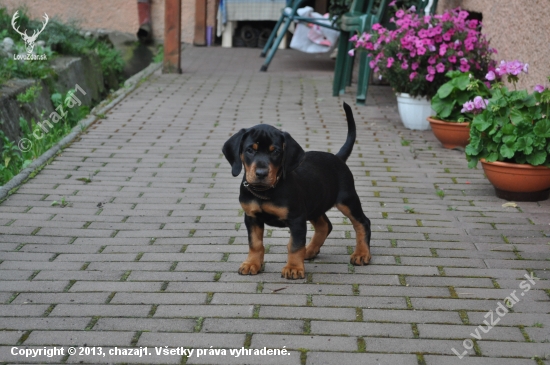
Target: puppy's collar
254	188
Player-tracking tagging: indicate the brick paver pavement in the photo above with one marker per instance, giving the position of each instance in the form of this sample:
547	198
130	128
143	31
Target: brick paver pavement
147	253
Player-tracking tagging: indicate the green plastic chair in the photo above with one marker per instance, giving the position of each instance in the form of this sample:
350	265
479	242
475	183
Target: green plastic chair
357	20
358	23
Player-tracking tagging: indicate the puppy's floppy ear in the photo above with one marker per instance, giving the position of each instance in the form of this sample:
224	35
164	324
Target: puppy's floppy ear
232	151
293	154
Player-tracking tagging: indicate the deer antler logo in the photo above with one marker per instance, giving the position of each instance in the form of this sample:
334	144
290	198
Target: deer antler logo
29	40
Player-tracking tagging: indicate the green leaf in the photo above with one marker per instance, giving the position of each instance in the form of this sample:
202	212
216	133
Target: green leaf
524	144
542	128
445	90
492	157
472	150
506	151
516	116
481	123
537	158
462	82
509	140
508	129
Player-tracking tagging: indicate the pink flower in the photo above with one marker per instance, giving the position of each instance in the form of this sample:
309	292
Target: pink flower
432	60
421	51
351	52
464	67
392	3
479	103
405	65
431	70
354	38
412	75
526	68
539	88
443	49
440	67
490	76
415	66
399	14
430	77
467	107
376	26
452	59
390	62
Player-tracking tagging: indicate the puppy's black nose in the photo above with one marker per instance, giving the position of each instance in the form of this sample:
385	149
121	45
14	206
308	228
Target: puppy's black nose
261	173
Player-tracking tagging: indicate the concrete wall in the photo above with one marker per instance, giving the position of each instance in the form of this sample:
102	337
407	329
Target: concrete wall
120	15
518	29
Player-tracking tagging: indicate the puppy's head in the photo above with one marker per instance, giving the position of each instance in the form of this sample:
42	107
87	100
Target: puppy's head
265	152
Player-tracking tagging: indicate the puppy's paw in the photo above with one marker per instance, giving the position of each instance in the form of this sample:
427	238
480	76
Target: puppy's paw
250	268
360	258
311	252
293	272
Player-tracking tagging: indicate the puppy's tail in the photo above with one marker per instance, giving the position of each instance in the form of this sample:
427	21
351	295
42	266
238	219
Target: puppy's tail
346	149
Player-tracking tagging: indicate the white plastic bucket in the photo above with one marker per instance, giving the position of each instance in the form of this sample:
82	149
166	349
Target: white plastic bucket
414	111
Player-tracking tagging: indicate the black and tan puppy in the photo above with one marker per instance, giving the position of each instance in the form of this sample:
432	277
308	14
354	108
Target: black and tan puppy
283	186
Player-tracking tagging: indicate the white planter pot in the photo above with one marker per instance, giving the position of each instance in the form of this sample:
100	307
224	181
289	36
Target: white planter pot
414	111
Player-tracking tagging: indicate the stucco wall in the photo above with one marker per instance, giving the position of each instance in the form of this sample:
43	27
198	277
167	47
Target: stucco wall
518	29
120	15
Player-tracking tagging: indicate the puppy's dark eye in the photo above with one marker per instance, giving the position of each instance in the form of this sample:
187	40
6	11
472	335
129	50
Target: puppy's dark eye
250	150
275	153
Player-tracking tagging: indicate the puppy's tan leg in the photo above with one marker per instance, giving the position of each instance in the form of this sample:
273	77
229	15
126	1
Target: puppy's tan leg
361	255
323	227
294	268
253	263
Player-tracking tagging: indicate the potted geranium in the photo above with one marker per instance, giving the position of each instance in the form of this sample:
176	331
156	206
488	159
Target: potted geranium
511	138
415	56
455	104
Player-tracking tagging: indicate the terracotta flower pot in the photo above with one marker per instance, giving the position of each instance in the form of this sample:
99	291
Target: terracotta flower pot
519	182
451	135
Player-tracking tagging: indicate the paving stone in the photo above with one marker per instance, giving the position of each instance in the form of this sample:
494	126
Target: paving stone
293	342
145	324
318	358
186	311
252	325
514	349
410	316
308	312
192	340
470	360
466	331
79	338
55	298
361	329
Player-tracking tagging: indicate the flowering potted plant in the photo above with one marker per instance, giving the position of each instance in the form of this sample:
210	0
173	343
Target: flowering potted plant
511	138
416	55
455	104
